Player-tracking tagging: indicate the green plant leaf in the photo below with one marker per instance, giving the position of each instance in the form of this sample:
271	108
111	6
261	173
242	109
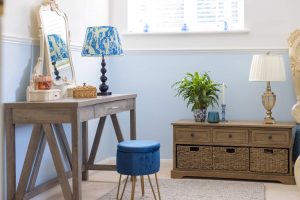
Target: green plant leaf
199	91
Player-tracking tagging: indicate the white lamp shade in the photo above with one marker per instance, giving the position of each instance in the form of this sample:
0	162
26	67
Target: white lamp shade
266	67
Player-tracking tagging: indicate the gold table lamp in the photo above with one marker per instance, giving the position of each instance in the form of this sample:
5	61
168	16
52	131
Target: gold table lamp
267	67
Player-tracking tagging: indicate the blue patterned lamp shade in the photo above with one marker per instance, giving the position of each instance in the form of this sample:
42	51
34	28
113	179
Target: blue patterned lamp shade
102	41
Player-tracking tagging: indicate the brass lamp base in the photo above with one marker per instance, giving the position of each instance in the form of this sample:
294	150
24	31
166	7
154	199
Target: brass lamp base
268	101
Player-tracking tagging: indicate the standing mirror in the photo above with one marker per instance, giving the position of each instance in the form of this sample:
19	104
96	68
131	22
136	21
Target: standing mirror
55	39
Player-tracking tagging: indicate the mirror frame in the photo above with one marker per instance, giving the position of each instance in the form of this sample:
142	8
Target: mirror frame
45	52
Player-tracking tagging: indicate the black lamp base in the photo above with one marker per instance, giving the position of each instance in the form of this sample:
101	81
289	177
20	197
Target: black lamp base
103	93
103	87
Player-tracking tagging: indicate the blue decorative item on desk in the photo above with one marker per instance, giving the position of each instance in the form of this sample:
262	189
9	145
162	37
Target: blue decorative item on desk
213	117
102	41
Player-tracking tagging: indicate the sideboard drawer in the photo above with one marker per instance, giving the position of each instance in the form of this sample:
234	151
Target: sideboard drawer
191	135
230	136
270	160
271	137
231	158
194	157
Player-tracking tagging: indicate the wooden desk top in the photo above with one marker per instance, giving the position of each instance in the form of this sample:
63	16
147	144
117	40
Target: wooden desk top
70	102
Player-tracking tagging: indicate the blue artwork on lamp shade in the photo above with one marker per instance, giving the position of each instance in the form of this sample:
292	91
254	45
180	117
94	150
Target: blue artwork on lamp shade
102	41
58	50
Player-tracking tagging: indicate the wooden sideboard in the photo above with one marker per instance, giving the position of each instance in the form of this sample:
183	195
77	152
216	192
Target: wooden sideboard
234	149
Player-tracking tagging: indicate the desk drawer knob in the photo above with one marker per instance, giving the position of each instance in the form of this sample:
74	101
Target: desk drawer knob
192	134
230	136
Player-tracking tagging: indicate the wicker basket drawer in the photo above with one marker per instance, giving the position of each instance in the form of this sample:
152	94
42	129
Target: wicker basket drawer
230	136
231	158
269	160
194	157
190	135
271	137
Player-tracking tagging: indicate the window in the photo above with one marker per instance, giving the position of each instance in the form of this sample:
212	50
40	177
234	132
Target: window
185	15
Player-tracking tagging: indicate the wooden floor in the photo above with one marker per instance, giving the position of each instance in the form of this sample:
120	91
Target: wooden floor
102	182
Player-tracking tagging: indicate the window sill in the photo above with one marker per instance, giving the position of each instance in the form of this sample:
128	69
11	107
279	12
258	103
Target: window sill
244	31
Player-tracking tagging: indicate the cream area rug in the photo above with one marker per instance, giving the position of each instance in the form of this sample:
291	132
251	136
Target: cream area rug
194	189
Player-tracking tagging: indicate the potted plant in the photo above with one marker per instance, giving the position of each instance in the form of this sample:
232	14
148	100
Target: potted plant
199	91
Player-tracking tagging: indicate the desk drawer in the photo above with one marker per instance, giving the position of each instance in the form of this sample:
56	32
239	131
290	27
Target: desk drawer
190	135
271	137
113	107
230	136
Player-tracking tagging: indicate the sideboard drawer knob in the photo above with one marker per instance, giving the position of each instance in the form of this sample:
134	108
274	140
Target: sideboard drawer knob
270	137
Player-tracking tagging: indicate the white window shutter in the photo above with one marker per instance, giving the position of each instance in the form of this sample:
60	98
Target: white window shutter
185	15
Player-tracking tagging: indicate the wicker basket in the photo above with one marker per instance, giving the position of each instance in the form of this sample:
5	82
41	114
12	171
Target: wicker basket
269	160
194	157
231	158
84	92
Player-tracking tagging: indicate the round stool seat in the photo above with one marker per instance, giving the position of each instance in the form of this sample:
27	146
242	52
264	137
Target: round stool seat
138	146
138	157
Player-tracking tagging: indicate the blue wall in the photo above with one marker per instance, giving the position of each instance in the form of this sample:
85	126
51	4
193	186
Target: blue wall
151	77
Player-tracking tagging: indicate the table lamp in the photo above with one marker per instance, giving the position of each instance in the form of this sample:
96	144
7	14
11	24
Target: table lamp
266	67
102	41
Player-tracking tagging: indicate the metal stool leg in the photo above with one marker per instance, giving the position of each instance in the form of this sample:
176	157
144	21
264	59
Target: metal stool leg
142	185
119	186
157	186
151	187
133	187
123	189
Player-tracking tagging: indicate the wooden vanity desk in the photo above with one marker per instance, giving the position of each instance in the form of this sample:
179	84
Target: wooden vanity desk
47	119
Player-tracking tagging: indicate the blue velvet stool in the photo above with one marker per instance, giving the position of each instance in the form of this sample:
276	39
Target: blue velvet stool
138	158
